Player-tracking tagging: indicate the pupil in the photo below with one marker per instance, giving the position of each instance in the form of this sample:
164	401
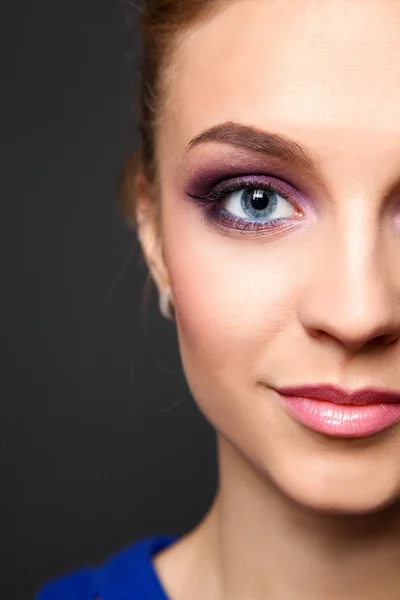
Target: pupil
259	200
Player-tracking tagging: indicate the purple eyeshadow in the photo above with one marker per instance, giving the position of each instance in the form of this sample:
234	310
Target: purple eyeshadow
212	182
209	184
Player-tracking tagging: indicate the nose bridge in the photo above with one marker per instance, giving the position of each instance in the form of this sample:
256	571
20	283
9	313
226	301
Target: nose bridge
354	296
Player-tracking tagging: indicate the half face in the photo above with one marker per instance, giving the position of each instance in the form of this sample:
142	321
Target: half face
279	156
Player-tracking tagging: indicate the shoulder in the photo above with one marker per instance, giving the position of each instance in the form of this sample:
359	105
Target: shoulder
124	575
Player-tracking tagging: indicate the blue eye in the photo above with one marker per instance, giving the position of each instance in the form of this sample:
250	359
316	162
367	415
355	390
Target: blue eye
257	204
251	205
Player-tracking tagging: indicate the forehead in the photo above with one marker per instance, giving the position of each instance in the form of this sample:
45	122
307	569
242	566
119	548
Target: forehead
325	66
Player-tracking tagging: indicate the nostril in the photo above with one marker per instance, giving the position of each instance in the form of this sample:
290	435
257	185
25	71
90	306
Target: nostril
380	340
390	340
355	341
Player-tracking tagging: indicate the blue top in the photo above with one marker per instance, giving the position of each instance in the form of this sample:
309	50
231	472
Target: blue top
129	575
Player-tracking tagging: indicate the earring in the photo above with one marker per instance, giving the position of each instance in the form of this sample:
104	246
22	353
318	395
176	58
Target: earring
166	306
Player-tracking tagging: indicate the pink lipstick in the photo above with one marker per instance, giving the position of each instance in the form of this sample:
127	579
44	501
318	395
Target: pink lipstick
335	412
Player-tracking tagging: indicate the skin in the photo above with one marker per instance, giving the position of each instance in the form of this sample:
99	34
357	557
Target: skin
297	514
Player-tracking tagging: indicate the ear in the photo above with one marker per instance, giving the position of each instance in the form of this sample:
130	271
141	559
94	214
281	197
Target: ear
149	232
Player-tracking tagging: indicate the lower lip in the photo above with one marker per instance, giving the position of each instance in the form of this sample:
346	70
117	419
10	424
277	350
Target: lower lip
342	420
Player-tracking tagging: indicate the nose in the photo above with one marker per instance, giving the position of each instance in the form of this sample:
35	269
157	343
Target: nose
353	291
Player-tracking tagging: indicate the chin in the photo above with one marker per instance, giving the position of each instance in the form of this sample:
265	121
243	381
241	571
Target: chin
337	487
344	503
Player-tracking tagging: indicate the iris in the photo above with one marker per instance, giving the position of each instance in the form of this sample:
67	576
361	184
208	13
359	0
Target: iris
257	203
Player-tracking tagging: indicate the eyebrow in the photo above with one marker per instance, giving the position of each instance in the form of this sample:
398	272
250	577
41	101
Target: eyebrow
256	140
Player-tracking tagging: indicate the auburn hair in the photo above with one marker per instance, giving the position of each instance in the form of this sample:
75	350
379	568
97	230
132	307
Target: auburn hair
162	23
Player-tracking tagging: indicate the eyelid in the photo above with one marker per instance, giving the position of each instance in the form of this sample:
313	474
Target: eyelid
270	183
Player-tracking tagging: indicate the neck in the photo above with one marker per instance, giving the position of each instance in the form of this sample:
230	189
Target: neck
268	546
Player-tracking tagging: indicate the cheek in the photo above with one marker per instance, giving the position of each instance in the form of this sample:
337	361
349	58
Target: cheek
234	298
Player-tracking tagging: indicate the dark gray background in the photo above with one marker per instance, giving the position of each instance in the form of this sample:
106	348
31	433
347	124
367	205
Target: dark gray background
102	443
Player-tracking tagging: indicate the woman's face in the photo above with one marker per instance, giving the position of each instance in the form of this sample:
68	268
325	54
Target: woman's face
289	273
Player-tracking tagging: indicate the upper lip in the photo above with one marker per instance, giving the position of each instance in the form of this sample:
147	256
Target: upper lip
332	393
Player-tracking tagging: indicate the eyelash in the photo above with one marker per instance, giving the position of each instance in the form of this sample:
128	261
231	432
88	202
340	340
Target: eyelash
222	218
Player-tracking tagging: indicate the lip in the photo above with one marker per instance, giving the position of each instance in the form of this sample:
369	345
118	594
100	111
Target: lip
335	412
